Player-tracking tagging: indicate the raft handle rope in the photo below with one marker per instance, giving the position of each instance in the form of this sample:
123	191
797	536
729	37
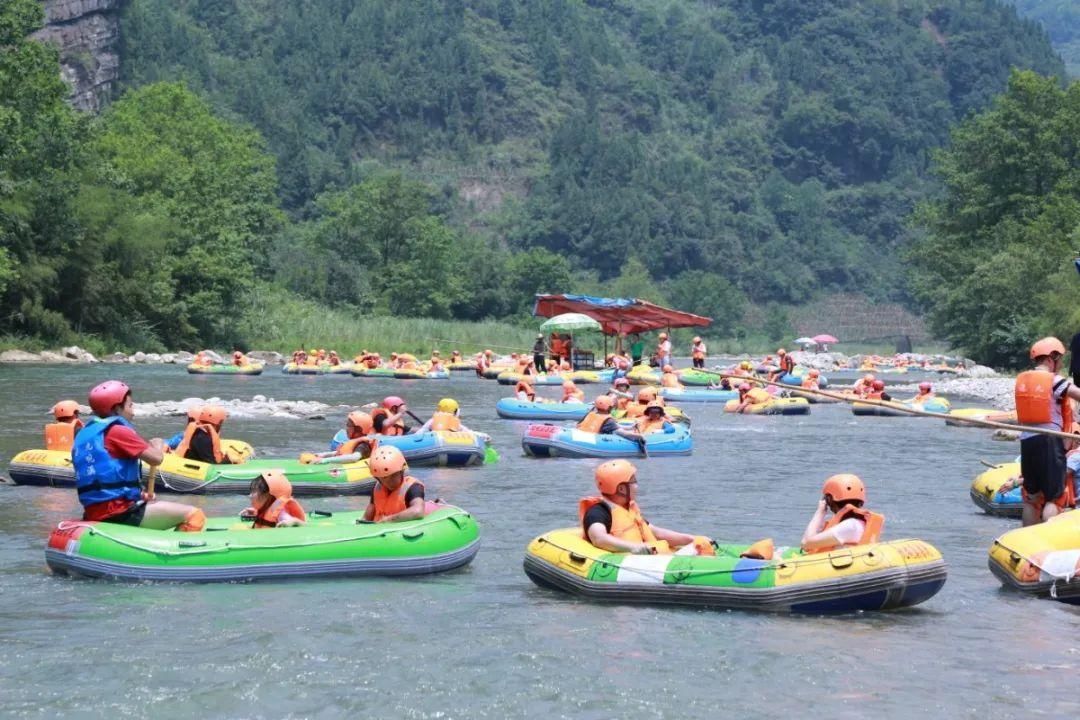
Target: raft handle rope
684	573
201	549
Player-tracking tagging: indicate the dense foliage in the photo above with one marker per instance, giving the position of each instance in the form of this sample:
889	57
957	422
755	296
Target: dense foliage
450	159
1061	18
996	269
774	145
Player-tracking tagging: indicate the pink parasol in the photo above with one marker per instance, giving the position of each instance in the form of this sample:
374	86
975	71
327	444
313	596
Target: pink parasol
825	339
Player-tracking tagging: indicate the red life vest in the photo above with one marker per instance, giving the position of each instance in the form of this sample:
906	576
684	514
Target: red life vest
872	525
787	364
626	523
363	445
445	421
592	422
398	428
388	503
270	514
1034	394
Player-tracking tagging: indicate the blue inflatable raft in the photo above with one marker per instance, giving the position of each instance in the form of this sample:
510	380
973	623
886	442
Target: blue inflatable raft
439	448
514	409
555	441
698	395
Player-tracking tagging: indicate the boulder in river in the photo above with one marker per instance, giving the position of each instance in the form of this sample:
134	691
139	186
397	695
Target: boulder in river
18	356
267	356
116	357
52	357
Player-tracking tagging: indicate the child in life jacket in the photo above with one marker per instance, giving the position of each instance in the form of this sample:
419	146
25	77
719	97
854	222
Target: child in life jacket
749	395
353	443
669	379
60	435
571	393
851	524
272	503
613	521
926	392
447	417
203	441
396	497
524	391
877	391
193	414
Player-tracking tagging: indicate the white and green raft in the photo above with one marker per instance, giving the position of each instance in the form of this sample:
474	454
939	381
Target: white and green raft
329	544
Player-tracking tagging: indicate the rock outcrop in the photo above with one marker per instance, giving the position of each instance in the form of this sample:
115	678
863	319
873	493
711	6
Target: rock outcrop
87	33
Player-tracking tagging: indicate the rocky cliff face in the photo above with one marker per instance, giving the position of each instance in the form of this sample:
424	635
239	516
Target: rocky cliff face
87	33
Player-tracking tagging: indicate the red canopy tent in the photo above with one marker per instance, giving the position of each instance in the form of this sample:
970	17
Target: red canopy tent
618	316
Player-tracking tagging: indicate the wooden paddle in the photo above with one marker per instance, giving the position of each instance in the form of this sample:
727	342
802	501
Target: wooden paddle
150	478
903	408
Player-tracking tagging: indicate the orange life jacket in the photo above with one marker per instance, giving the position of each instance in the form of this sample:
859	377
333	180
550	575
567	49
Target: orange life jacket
61	435
1034	394
872	525
787	364
670	380
189	433
622	403
445	421
239	361
592	422
391	503
269	516
626	524
809	384
525	388
645	426
635	410
354	445
556	347
398	428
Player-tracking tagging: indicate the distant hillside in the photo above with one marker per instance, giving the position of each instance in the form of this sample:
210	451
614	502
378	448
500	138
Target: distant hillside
777	145
1061	18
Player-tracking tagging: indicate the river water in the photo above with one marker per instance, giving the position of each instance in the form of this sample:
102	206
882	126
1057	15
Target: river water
484	641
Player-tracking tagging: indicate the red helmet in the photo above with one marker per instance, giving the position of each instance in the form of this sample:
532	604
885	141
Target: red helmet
603	402
107	395
612	474
386	460
878	385
844	488
214	415
65	409
1047	346
392	401
237	354
362	422
815	373
781	352
744	387
925	386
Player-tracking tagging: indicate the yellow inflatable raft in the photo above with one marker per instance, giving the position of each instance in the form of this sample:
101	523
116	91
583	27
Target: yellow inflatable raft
776	406
984	491
1002	416
880	576
1041	559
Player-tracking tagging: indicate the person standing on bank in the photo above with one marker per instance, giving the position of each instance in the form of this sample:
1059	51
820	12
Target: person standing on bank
538	353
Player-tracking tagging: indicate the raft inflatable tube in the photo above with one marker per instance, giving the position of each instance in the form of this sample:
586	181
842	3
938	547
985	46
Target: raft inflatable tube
514	409
178	475
815	399
53	468
776	406
462	366
984	491
643	375
797	377
493	372
1003	416
880	576
375	372
228	550
936	405
439	448
697	395
250	369
543	441
422	374
1042	560
696	377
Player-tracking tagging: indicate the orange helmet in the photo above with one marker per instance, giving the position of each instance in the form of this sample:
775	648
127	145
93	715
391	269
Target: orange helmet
844	488
195	412
279	485
1047	346
603	402
663	336
878	385
868	378
361	421
612	474
65	409
214	415
654	405
667	369
781	352
815	372
385	461
237	354
569	385
925	386
488	353
646	394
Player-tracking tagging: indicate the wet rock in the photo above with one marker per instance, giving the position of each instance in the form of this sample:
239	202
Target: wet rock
316	416
74	352
18	356
184	358
153	358
168	358
267	356
116	357
1006	435
139	357
52	357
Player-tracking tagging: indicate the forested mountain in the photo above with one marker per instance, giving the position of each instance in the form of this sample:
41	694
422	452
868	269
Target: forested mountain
450	158
1061	18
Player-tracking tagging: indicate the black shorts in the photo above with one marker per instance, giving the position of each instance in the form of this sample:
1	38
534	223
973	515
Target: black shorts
132	516
1042	463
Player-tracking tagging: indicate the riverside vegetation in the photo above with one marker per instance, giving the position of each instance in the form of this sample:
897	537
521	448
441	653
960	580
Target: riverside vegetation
447	160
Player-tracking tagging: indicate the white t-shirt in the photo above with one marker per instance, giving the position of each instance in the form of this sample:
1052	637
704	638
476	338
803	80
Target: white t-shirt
665	347
848	532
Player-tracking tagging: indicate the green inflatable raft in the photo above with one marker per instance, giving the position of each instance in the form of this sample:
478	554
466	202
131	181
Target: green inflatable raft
329	544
